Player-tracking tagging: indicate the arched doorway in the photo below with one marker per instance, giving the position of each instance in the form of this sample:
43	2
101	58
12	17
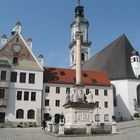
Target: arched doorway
47	116
138	95
57	118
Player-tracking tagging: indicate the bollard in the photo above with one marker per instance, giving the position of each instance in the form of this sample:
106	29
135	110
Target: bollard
88	128
114	127
54	127
49	127
61	128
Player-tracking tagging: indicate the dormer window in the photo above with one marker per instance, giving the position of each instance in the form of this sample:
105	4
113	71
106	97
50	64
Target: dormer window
15	60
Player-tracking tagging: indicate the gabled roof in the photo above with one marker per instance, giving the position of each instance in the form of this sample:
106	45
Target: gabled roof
114	60
25	43
67	76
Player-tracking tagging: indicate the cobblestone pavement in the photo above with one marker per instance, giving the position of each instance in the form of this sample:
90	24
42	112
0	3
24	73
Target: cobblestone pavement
127	131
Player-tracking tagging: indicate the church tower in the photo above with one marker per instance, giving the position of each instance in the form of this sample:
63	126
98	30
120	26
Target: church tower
82	23
135	63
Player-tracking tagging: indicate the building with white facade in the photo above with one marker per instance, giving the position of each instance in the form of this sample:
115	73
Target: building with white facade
58	82
122	64
21	81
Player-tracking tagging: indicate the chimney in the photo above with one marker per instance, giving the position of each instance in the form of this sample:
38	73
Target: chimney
4	39
40	59
30	43
17	28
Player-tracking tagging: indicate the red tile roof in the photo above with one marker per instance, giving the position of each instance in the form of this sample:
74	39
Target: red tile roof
67	76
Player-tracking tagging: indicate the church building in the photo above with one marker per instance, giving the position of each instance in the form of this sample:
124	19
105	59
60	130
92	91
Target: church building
121	62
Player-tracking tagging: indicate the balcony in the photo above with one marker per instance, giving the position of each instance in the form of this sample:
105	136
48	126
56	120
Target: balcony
3	102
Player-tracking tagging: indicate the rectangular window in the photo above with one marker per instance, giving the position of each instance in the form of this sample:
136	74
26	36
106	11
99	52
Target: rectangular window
22	77
47	102
67	90
57	89
13	76
97	104
96	92
87	91
26	96
57	103
105	92
19	95
47	89
3	75
33	96
31	78
2	93
106	104
106	118
15	60
97	117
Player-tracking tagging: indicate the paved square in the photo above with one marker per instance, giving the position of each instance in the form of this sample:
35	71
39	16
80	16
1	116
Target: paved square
128	131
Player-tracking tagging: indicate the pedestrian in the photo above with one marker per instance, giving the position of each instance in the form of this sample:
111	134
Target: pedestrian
43	124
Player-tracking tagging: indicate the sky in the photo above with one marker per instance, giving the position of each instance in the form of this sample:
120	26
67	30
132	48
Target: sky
47	22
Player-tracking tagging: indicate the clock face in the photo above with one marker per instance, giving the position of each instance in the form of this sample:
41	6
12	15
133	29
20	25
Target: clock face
16	48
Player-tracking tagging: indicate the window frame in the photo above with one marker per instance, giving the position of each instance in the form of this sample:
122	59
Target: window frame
47	89
68	90
20	115
106	117
105	92
57	103
105	104
22	78
31	79
97	117
3	75
97	92
2	93
33	96
31	114
15	60
19	95
26	95
13	78
57	90
47	102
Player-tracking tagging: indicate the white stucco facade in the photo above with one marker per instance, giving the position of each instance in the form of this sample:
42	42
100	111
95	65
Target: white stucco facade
52	96
126	93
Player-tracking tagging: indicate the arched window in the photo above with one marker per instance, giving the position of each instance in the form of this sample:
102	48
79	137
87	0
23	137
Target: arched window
19	114
31	114
106	118
138	95
134	59
82	56
114	96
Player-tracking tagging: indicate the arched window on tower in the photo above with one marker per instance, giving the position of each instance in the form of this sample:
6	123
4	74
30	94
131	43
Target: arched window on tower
138	95
134	59
19	114
82	56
